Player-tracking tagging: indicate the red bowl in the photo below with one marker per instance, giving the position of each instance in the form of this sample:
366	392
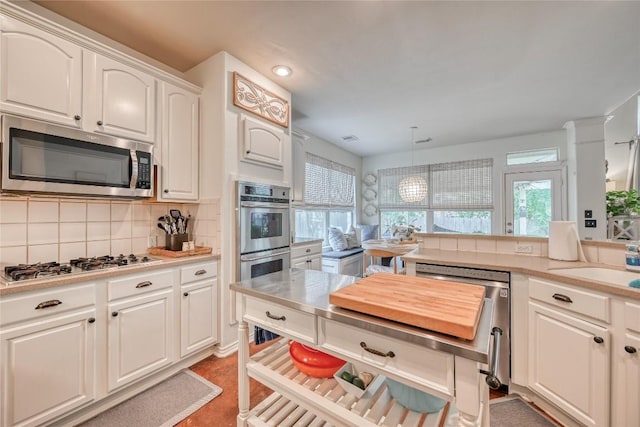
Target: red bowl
312	362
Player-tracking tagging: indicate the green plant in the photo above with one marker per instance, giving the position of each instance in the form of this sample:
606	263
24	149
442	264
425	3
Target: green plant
623	202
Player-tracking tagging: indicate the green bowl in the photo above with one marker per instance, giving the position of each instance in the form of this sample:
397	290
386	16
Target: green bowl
413	399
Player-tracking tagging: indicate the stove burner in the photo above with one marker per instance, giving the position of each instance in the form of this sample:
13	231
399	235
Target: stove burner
19	272
31	271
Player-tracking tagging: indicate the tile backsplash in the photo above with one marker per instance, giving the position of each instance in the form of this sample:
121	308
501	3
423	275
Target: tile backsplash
35	229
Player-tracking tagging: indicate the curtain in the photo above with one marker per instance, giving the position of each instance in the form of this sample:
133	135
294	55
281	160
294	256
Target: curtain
328	183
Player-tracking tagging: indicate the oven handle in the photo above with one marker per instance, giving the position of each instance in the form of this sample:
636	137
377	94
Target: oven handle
492	380
263	205
245	258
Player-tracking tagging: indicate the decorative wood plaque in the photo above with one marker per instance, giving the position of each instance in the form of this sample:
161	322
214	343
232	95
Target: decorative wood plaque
259	101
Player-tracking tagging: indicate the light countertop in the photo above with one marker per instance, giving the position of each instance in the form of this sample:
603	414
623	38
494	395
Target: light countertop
530	265
7	288
308	291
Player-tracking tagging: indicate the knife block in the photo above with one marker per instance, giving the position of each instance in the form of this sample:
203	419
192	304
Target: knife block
174	241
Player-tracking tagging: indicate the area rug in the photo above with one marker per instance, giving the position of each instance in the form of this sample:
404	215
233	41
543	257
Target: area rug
515	412
163	405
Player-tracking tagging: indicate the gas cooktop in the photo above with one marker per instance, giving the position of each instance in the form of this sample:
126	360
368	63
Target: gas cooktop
22	272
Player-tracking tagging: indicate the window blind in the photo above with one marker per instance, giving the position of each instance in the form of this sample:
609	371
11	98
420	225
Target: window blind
461	185
328	183
388	182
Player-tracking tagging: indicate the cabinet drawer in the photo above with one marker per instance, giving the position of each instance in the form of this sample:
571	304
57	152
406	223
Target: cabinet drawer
32	305
431	369
196	272
283	320
305	250
138	284
632	316
580	301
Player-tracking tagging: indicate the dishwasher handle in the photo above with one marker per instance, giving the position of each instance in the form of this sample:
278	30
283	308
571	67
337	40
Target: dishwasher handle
492	380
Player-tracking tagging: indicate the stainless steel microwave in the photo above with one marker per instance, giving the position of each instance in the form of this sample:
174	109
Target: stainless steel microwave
44	158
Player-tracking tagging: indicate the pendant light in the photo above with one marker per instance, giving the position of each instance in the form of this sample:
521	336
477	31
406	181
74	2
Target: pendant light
414	187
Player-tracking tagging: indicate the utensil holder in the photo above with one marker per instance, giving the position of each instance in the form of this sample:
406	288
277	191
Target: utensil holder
174	241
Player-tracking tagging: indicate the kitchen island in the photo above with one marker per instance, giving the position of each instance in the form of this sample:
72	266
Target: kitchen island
295	304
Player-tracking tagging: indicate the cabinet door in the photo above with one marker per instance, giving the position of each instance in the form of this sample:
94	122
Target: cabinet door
315	263
179	161
262	143
47	367
569	363
41	74
124	102
140	337
631	369
198	326
299	263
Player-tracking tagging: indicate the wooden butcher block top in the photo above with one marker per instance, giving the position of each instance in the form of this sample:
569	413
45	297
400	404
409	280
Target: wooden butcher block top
441	306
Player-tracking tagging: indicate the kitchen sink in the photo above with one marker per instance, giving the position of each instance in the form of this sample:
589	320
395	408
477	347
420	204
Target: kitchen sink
601	274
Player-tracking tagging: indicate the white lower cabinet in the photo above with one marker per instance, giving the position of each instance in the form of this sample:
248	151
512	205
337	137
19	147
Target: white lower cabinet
198	319
627	360
141	327
570	351
569	364
47	344
307	256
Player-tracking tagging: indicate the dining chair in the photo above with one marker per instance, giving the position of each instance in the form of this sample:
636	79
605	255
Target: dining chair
369	267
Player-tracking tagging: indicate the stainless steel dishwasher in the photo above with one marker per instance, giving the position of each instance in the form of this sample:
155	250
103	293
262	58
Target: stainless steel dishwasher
497	285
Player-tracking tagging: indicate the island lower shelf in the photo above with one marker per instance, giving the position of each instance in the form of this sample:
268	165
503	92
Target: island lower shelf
306	401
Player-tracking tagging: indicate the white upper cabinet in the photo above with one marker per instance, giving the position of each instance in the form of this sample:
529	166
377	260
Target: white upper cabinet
178	179
262	143
124	101
50	78
41	74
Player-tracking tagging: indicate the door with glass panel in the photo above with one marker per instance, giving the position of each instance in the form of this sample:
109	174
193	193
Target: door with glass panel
532	199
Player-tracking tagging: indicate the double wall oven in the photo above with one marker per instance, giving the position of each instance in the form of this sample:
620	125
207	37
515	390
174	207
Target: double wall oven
263	229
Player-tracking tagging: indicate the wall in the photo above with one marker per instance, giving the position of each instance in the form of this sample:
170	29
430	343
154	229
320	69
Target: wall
320	147
43	229
221	167
496	149
623	126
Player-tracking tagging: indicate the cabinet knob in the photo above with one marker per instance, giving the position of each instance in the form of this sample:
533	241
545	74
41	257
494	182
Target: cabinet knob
99	122
308	250
114	314
91	319
630	349
77	117
166	191
186	294
599	340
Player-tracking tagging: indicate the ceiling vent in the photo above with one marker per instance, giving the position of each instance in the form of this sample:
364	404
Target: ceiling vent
350	138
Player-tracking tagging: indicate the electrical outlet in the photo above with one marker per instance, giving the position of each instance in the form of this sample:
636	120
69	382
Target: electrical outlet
522	248
153	241
590	223
588	213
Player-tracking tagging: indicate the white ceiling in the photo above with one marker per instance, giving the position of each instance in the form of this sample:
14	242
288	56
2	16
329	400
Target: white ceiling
460	71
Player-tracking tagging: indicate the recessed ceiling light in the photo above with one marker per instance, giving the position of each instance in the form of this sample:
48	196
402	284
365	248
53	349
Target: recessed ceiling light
281	70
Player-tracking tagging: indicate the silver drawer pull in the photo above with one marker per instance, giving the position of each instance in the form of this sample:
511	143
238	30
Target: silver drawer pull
200	272
562	298
144	284
47	304
376	352
271	316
